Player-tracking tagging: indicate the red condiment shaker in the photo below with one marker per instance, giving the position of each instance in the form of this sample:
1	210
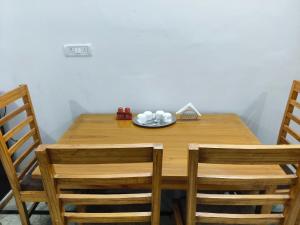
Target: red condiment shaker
128	114
120	114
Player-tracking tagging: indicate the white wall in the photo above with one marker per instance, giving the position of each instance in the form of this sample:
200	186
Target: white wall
222	55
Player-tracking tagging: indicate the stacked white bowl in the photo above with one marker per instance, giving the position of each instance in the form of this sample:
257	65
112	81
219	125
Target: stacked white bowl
158	116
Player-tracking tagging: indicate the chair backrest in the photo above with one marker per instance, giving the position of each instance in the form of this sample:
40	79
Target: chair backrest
247	155
50	156
18	142
287	128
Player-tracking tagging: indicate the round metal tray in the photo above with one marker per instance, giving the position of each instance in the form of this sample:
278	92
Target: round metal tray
153	123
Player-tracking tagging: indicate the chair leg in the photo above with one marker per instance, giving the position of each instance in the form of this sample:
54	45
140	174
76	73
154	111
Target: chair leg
298	220
177	213
23	213
6	199
80	208
32	208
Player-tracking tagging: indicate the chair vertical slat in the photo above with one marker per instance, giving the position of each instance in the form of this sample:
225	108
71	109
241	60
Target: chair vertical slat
30	112
49	186
156	184
192	185
292	211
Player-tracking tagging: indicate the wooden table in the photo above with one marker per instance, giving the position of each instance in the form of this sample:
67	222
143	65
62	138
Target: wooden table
210	129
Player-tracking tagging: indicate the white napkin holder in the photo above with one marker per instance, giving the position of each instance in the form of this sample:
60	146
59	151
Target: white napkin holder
188	112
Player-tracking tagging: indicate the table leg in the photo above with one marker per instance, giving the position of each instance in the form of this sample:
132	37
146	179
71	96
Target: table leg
267	209
258	207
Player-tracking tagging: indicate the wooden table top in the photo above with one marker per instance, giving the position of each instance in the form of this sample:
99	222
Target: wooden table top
210	129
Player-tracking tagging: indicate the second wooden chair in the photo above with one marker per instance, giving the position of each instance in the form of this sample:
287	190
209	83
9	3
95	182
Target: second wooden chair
19	136
247	155
50	156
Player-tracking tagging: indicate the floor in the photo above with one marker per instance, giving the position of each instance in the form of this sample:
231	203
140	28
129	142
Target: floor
12	219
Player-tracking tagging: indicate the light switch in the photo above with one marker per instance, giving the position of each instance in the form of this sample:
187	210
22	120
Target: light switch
77	50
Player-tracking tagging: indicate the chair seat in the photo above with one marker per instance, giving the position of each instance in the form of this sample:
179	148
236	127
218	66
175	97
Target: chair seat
29	184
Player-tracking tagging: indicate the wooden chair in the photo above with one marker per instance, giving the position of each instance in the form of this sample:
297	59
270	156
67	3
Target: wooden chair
287	132
17	160
247	154
50	156
289	116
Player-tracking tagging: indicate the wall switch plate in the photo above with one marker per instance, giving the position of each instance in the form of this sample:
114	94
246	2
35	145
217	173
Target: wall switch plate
77	50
